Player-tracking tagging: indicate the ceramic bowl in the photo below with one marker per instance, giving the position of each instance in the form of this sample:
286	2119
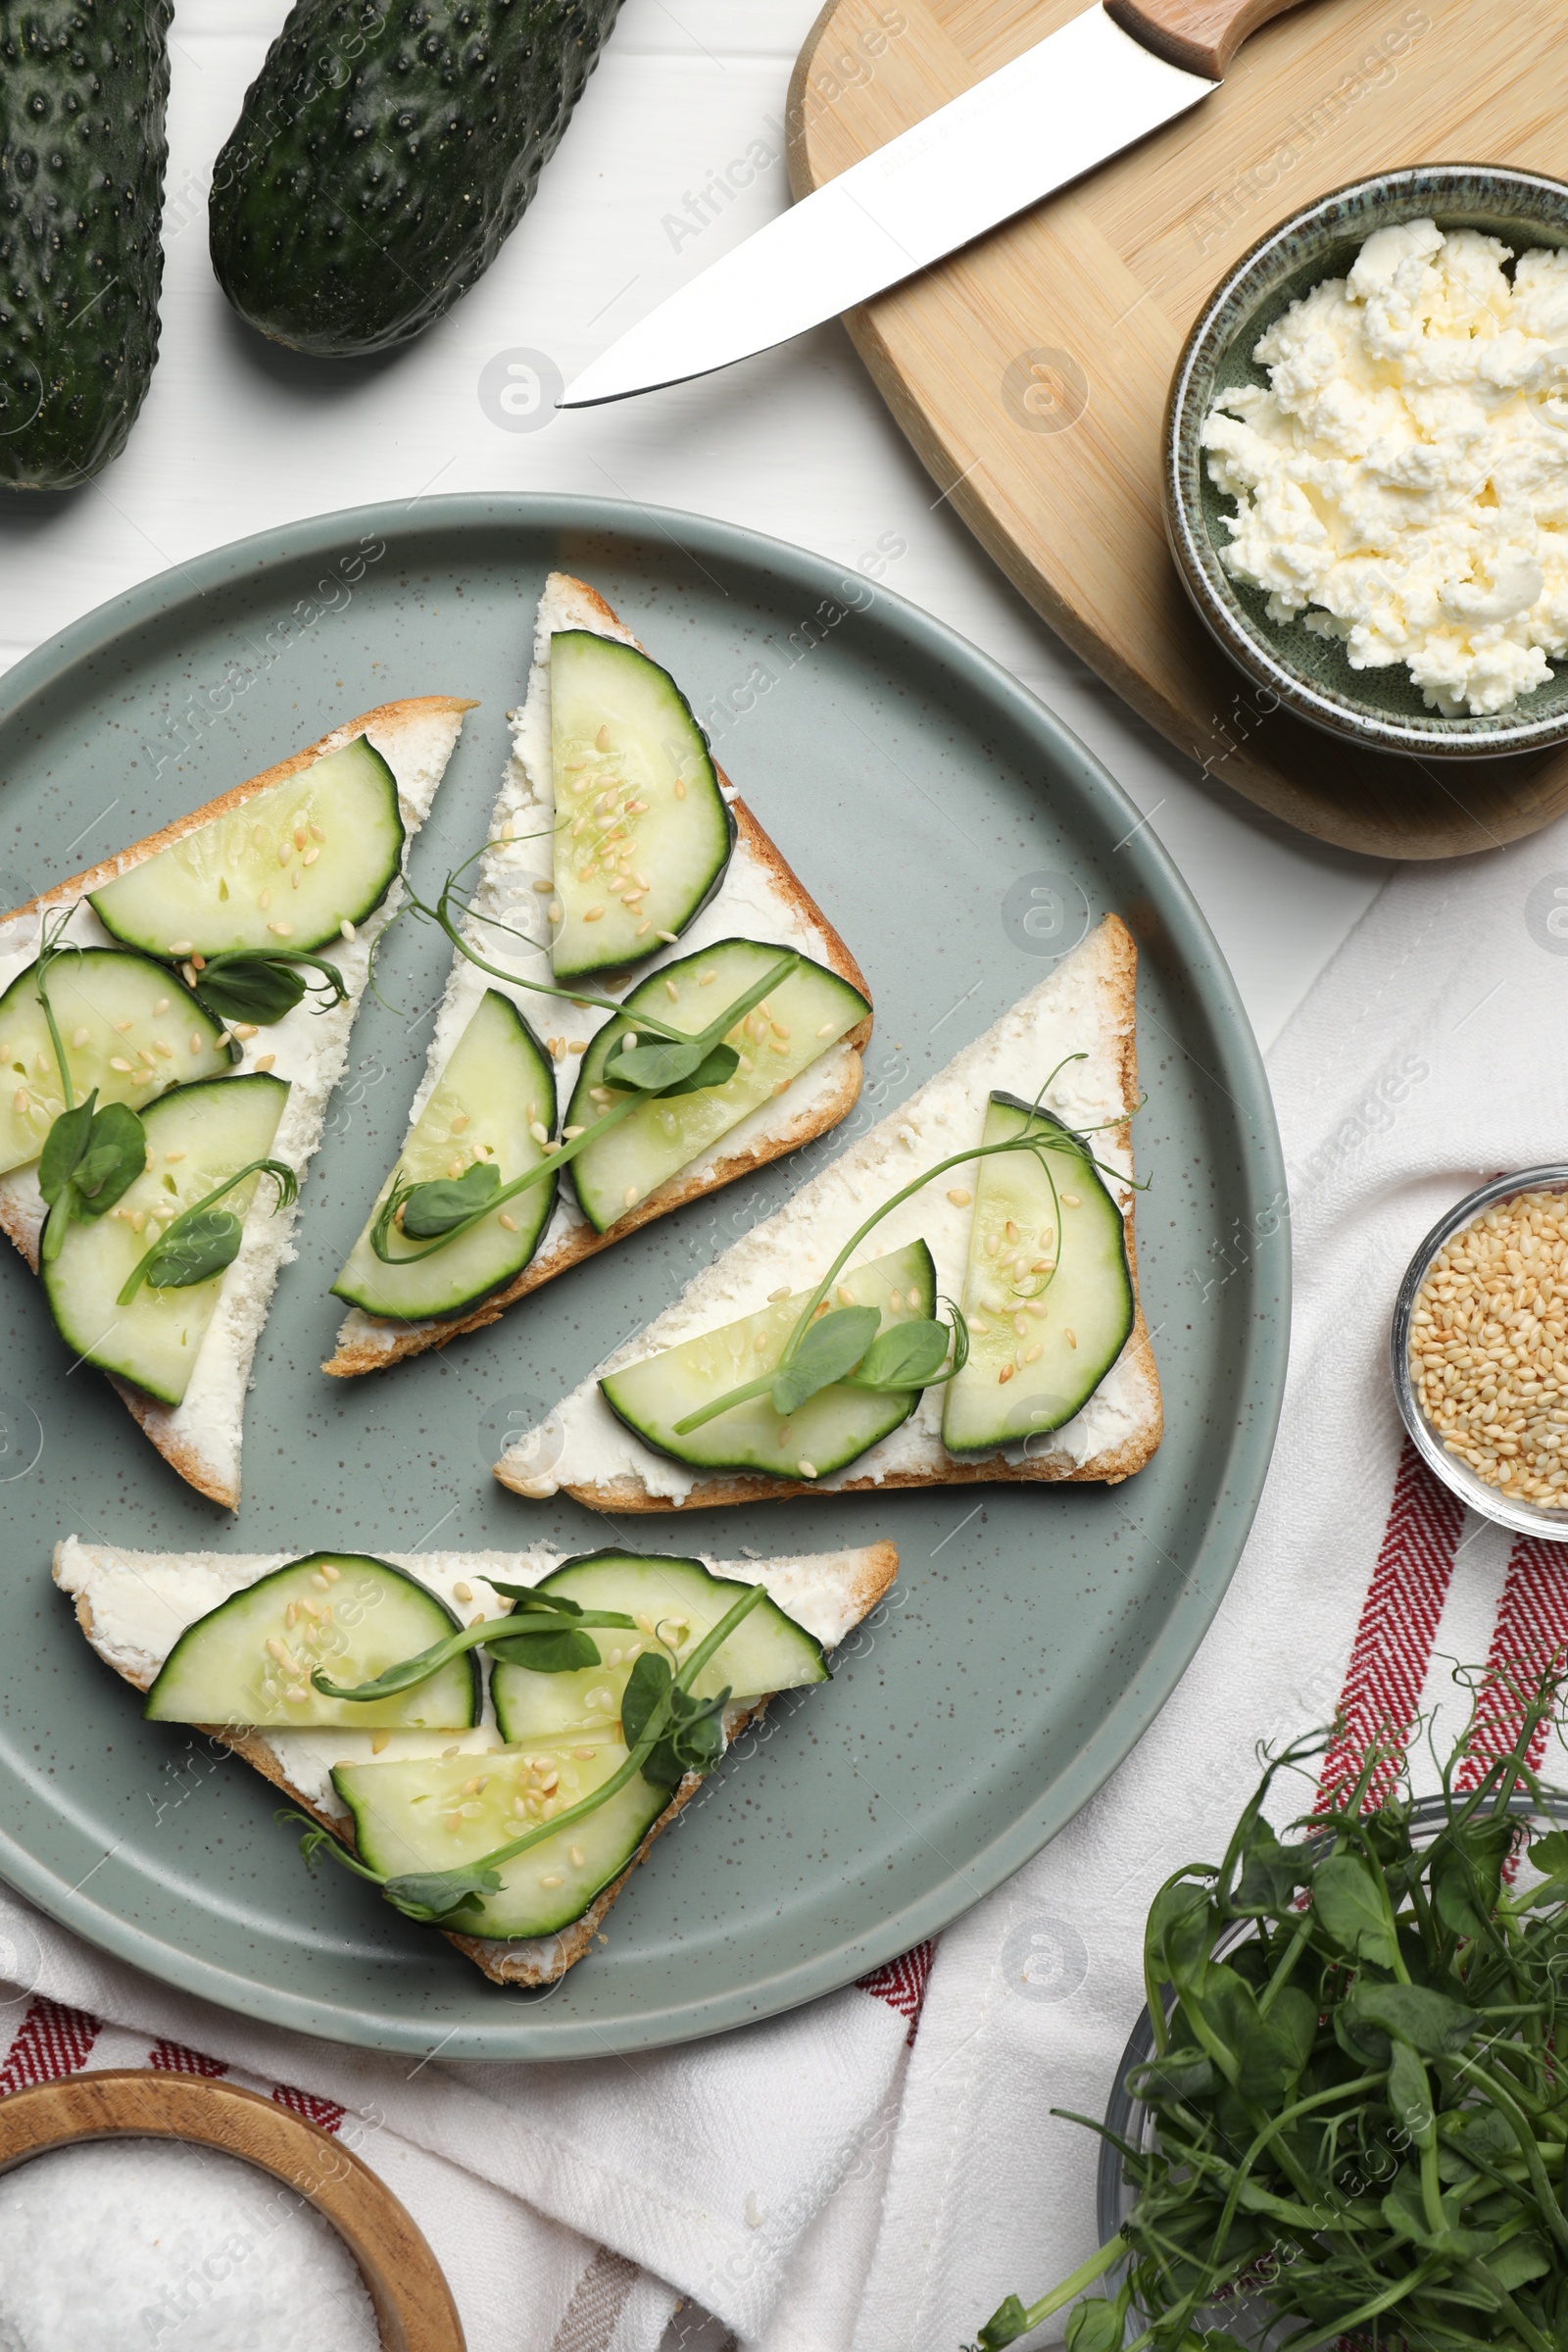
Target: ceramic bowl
1380	709
1525	1518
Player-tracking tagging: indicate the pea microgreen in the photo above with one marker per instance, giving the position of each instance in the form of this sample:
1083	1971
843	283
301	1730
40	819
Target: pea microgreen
672	1729
262	985
847	1344
204	1239
557	1642
90	1157
1358	2104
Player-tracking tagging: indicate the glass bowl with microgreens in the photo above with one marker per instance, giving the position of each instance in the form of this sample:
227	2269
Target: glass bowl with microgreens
1479	1351
1343	2118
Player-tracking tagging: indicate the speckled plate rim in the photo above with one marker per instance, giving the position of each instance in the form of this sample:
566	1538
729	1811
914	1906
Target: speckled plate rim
1198	563
1257	1391
1488	1502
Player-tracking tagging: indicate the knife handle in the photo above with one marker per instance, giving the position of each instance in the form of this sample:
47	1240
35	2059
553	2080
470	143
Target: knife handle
1199	35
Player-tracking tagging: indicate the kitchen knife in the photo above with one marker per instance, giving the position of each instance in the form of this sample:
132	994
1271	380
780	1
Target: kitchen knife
1100	82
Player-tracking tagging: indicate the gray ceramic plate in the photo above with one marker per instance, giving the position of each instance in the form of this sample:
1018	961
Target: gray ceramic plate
961	838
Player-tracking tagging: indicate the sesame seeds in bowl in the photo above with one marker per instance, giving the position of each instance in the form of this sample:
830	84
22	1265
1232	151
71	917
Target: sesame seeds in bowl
1480	1350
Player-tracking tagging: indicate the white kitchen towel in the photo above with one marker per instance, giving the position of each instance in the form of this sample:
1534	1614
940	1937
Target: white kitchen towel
1432	1054
573	2207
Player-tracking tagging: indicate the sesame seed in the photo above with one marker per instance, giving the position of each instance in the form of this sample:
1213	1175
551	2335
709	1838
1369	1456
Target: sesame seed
79	1037
643	928
577	1044
282	930
552	1879
511	1223
161	1004
378	1740
120	1027
806	1469
706	979
346	930
1005	1375
118	1062
539	1132
775	1296
317	833
575	1856
843	1295
680	788
1071	1338
1031	1355
668	937
584	1755
630	1196
671	991
265	1061
463	1592
180	946
285	851
1071	1200
245	1029
175	1155
460	1122
19	1100
961	1195
781	1086
592	915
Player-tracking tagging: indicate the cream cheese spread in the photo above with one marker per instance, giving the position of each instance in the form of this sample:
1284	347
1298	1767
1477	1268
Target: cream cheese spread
1401	482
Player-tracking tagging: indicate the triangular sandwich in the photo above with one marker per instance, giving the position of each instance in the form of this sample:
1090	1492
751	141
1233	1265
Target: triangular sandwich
475	1755
200	986
723	1398
636	859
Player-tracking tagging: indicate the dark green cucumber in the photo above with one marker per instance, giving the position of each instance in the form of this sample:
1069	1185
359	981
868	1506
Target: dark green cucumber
82	91
643	832
675	1601
129	1026
1049	1293
196	1137
498	1087
287	868
832	1428
444	1810
384	154
783	1036
250	1660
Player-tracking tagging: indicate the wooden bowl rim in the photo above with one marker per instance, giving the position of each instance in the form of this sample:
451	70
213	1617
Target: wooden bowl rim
407	2286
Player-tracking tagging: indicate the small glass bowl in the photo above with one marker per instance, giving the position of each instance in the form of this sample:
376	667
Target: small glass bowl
1525	1518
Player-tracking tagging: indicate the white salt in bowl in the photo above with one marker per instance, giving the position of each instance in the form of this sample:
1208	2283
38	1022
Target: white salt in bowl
354	2254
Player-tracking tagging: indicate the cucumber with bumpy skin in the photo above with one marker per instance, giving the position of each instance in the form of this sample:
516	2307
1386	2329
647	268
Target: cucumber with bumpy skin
441	1811
676	1603
496	1089
131	1030
643	832
196	1137
1049	1293
831	1428
781	1037
286	869
250	1660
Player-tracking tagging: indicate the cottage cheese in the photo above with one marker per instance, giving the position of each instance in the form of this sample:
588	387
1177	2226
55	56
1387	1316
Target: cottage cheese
1402	483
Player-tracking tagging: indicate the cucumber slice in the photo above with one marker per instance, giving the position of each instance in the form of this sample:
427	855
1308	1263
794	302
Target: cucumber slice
343	1611
196	1136
498	1084
767	1650
783	1036
830	1429
129	1027
443	1810
643	832
287	868
1040	1342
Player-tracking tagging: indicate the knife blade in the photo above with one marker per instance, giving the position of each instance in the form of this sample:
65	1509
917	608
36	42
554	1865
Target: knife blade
1072	101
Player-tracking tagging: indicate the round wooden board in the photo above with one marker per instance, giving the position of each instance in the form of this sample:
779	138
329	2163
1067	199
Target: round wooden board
414	2305
1030	372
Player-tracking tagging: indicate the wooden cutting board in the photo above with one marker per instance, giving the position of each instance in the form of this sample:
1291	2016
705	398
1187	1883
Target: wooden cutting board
1030	373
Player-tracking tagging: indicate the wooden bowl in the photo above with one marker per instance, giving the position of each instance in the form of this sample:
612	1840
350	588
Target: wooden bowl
414	2306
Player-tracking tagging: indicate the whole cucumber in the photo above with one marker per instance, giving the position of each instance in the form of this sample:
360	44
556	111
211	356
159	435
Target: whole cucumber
384	153
83	86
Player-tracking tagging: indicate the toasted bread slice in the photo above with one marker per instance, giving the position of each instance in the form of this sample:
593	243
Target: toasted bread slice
1085	1006
760	897
133	1605
201	1437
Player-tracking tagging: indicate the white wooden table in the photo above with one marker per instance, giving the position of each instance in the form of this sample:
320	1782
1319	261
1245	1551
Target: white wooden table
236	436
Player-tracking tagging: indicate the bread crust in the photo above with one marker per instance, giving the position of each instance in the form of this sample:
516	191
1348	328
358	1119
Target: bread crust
153	1417
627	1494
498	1958
359	1356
